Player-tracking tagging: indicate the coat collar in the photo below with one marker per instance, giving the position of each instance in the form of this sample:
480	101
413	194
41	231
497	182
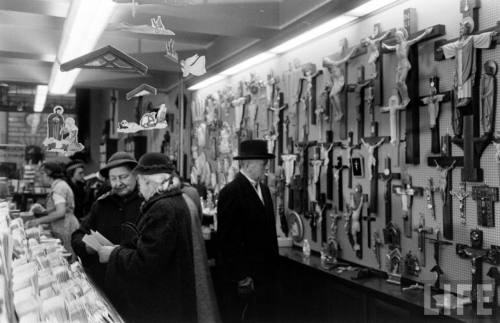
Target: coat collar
171	193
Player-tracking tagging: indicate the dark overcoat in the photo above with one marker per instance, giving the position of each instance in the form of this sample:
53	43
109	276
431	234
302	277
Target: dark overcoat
246	231
155	272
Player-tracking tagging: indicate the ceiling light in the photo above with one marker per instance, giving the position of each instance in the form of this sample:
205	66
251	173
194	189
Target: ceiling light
369	7
313	33
40	97
248	63
207	82
83	26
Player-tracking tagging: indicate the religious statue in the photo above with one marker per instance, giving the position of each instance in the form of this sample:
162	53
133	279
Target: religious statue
225	137
210	109
393	108
69	134
487	93
201	131
372	44
271	138
402	47
238	111
162	114
55	122
443	181
337	77
432	102
289	166
372	161
463	50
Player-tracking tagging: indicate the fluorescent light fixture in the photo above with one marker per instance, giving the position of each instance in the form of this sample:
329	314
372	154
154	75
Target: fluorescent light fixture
83	26
369	7
313	33
40	97
259	58
209	81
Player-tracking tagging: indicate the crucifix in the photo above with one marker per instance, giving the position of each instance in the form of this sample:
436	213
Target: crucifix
309	72
350	146
437	242
485	197
407	79
443	164
422	230
372	44
336	65
407	192
461	194
359	90
429	197
337	175
468	82
353	219
478	255
333	245
387	176
316	110
433	104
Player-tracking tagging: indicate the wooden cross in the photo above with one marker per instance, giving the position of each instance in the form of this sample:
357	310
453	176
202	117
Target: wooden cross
422	230
338	177
444	161
337	68
387	176
359	90
393	108
478	255
486	197
411	82
461	195
407	192
468	91
437	268
328	148
429	198
353	220
377	244
314	98
433	103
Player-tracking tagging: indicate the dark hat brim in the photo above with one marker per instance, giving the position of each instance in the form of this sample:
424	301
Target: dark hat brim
243	157
116	163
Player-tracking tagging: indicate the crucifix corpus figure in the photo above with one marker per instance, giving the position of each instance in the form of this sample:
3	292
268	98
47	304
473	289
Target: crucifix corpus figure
372	44
402	46
393	107
443	180
337	78
463	51
372	160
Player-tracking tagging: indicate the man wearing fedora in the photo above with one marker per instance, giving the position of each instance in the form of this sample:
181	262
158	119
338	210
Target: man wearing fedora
247	239
108	213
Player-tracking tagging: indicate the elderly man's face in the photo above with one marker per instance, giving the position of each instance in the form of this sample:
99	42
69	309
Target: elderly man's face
122	180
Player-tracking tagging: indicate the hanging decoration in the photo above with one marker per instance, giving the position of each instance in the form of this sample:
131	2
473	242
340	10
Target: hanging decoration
62	134
193	65
156	28
148	121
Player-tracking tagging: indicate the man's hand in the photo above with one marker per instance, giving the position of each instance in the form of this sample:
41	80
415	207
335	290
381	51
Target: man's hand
105	252
32	223
246	287
37	208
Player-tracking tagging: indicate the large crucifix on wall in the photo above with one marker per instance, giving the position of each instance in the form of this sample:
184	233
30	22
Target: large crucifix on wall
468	61
407	80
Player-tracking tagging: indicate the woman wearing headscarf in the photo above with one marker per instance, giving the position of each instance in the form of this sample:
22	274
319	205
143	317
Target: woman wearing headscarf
60	205
155	270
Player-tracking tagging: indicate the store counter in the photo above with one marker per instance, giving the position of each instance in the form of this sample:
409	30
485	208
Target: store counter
314	293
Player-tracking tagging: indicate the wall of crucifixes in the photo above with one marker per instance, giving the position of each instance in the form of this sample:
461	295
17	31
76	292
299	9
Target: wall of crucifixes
375	154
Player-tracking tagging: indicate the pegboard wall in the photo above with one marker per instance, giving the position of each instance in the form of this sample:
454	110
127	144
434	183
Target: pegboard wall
456	269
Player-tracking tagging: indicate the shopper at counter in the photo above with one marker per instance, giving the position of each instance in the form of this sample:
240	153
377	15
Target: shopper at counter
75	172
59	210
155	271
108	213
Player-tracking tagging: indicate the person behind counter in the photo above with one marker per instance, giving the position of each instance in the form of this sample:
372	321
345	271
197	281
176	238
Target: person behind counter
108	213
59	206
247	240
75	173
155	271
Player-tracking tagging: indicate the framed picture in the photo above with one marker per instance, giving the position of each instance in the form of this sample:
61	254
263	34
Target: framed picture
358	166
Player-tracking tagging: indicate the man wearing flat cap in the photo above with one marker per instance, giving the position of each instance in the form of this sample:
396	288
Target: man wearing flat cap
108	213
247	239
